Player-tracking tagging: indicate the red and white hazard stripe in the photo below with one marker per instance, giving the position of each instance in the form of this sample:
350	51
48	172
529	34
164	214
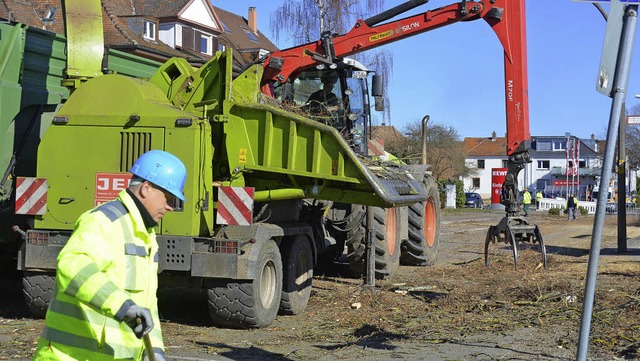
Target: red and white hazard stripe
31	196
375	147
235	205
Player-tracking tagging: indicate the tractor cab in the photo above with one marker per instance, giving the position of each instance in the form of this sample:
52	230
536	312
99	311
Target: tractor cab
337	96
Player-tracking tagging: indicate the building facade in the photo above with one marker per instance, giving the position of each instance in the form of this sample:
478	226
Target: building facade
158	29
551	169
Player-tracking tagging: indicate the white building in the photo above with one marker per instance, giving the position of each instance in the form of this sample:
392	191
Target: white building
546	172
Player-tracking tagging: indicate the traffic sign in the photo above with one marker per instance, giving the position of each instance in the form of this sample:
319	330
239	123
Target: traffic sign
608	1
610	48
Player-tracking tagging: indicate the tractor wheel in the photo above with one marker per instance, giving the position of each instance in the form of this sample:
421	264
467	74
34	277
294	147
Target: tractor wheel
421	248
387	242
297	260
251	304
37	288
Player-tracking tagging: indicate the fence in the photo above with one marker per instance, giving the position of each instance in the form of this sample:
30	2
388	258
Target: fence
612	207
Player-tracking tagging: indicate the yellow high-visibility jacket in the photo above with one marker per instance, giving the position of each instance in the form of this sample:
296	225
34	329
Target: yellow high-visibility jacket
526	197
110	258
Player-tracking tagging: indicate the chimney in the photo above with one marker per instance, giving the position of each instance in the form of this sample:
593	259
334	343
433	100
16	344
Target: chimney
253	19
493	136
593	137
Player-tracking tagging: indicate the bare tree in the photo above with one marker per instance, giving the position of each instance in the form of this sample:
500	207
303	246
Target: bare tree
302	21
632	140
445	152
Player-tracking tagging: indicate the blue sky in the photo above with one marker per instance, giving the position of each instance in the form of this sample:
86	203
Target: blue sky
455	74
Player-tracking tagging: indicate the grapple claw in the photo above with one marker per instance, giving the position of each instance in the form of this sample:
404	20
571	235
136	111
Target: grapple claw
512	230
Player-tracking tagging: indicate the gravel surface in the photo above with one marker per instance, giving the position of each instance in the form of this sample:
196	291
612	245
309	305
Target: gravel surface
457	309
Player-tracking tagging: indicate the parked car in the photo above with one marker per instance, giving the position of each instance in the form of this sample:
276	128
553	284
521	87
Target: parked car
473	200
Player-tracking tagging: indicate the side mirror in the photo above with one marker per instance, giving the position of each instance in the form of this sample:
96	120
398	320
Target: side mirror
377	89
379	104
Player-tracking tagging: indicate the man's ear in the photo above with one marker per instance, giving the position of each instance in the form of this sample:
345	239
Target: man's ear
145	189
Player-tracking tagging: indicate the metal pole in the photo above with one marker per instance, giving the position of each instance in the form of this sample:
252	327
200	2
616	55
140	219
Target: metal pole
566	194
423	140
622	189
622	80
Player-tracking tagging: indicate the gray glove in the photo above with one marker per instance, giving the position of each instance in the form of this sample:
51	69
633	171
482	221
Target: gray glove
157	353
134	313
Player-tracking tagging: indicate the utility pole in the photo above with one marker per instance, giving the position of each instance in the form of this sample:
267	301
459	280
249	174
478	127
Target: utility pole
613	79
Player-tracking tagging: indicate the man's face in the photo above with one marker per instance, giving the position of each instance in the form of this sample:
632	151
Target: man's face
156	200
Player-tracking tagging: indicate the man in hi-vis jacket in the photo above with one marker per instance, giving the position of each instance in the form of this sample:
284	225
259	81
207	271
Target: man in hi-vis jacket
104	299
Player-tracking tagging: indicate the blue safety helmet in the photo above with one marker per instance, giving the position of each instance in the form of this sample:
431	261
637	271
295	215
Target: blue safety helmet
162	169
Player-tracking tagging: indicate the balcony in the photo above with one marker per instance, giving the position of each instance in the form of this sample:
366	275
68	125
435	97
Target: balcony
560	171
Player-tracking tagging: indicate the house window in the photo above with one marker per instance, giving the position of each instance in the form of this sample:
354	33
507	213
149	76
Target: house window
250	35
476	182
225	27
505	163
50	14
543	164
149	30
559	145
480	163
542	145
205	44
582	164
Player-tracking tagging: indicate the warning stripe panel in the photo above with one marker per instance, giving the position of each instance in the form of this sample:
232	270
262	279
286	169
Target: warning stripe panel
375	146
235	205
31	196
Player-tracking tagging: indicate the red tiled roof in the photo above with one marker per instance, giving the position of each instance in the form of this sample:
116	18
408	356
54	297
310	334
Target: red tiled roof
116	33
119	15
245	50
160	9
386	132
31	13
485	146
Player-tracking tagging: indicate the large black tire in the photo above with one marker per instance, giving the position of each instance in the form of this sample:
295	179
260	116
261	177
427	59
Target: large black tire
249	304
421	248
387	241
37	288
297	259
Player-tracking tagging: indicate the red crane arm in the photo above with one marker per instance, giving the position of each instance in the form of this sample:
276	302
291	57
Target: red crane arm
506	18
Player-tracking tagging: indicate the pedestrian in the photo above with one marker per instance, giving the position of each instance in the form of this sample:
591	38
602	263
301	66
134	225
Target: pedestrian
538	198
572	205
526	201
104	299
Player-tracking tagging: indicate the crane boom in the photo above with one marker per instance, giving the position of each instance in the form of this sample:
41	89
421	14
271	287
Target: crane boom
506	18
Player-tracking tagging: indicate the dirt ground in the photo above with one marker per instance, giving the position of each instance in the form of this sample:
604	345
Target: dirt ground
457	309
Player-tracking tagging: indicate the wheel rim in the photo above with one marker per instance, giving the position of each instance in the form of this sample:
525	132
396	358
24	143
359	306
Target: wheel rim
302	269
391	235
267	284
430	221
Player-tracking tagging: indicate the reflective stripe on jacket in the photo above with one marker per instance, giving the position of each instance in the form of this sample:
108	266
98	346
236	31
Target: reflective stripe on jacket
110	258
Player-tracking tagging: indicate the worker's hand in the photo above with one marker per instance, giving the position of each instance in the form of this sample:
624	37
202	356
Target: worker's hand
145	323
157	354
